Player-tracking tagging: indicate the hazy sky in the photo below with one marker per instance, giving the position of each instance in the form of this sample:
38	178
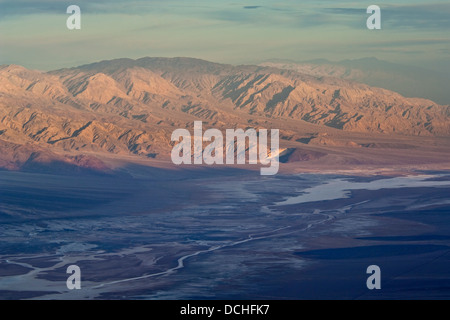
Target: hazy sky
33	33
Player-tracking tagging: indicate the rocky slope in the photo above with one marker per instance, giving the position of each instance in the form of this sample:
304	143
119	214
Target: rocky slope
410	81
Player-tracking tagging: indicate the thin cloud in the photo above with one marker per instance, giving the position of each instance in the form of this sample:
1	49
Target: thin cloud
252	7
407	43
26	7
418	16
426	16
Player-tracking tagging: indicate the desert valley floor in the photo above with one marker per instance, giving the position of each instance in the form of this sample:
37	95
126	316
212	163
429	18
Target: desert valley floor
154	233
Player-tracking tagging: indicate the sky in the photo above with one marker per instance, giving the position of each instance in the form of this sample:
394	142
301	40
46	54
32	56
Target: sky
33	33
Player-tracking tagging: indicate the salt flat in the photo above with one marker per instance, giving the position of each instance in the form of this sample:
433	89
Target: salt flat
220	234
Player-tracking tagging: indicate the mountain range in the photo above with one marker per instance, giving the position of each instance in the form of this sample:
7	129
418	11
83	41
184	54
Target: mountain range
409	81
120	108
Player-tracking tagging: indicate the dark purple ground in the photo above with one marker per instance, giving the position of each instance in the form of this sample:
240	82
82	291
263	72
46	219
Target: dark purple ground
209	234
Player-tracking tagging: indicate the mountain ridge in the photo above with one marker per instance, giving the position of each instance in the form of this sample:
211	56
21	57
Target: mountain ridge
126	106
410	81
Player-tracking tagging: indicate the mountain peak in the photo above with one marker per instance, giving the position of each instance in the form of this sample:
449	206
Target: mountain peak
168	64
14	68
